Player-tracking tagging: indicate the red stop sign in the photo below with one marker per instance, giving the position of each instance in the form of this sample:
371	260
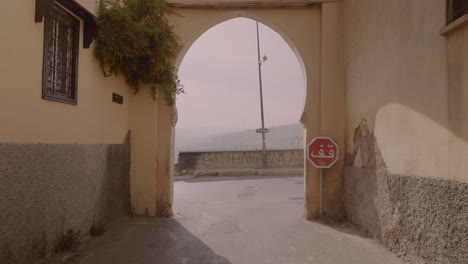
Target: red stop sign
322	152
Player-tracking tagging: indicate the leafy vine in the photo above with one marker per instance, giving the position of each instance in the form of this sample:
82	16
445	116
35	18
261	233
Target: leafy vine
136	41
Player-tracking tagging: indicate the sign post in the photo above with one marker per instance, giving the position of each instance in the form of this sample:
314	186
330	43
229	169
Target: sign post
323	153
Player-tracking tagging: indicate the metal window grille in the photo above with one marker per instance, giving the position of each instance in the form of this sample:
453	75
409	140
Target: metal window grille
456	9
60	56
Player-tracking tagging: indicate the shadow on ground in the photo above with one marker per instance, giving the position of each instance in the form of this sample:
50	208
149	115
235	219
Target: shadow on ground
140	241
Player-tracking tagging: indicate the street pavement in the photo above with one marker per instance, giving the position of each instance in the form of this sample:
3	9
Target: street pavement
233	221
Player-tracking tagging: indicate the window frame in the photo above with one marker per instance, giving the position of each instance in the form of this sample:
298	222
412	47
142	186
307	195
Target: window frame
452	14
76	23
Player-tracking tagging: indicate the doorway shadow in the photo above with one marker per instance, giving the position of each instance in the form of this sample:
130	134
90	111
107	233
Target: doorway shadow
139	240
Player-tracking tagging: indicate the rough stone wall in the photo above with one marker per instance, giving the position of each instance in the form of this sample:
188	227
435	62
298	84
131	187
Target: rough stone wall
422	220
191	161
49	188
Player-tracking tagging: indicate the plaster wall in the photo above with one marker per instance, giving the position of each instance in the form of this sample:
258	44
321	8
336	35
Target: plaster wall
298	27
406	180
457	69
409	83
61	166
25	116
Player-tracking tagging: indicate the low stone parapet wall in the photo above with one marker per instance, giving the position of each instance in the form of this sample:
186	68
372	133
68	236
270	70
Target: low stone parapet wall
191	161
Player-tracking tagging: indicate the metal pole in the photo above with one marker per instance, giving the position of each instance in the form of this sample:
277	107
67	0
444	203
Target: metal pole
324	193
261	99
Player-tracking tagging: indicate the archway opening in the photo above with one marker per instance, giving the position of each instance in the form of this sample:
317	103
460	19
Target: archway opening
217	135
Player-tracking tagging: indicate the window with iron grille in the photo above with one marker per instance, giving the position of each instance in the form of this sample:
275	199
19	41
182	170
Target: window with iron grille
61	40
456	9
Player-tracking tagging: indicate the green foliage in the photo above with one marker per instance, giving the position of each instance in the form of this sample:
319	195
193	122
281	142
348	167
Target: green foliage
97	229
136	41
67	241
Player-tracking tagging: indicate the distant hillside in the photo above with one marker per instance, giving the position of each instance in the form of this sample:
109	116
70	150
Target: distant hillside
280	137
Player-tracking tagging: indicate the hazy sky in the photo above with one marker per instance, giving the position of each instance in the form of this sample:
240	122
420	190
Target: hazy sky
220	76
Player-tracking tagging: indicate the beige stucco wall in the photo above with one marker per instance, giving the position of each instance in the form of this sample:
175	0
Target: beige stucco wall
25	116
457	68
289	23
397	79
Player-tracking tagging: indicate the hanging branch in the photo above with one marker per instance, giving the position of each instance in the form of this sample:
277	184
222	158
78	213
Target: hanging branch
136	41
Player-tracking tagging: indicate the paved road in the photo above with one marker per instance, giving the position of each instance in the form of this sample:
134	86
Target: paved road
233	221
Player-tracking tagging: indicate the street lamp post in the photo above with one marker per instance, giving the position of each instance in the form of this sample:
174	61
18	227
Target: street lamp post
263	131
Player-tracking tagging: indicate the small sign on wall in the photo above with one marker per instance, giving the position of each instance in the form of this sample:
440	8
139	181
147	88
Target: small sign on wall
117	98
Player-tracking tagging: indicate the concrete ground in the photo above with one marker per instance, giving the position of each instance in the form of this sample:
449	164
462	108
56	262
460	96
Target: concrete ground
233	221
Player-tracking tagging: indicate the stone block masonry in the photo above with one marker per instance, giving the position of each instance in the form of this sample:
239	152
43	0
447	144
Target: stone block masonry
48	188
